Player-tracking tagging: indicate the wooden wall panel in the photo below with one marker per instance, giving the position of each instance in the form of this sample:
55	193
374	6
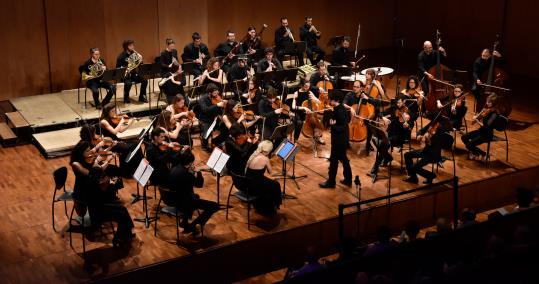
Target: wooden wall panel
25	66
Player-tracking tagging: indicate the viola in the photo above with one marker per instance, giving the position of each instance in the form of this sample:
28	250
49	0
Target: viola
190	113
217	99
176	147
278	104
117	118
106	140
404	115
431	132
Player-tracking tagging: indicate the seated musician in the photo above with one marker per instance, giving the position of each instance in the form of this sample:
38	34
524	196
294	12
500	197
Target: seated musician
373	95
234	114
239	146
209	111
179	107
252	96
434	135
196	52
173	82
133	77
299	97
168	57
111	125
237	75
224	48
269	114
481	67
413	97
382	143
184	176
425	60
457	110
268	64
89	134
212	74
159	154
485	119
310	35
175	130
97	63
400	126
284	38
320	76
99	198
341	54
252	44
268	190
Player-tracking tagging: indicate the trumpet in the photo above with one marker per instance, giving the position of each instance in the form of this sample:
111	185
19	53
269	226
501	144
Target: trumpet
289	32
96	70
133	61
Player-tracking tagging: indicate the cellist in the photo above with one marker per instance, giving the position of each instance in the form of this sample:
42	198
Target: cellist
321	82
354	98
303	94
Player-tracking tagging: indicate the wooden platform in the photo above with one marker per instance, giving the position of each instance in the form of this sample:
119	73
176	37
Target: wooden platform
30	244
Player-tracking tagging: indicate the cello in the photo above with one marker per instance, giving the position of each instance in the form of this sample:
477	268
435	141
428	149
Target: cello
496	77
312	121
437	90
357	128
325	85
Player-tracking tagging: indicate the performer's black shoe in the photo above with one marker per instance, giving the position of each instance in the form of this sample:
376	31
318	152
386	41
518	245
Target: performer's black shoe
373	175
142	99
427	181
346	182
327	184
411	180
387	161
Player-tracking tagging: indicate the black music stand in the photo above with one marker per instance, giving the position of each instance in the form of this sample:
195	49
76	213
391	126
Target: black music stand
334	41
142	175
296	48
188	68
284	76
217	162
288	131
110	76
287	152
381	135
150	72
339	71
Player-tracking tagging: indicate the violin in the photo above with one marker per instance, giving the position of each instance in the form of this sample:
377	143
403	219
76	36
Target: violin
176	147
217	99
404	115
117	118
190	113
431	132
92	157
278	104
107	141
486	111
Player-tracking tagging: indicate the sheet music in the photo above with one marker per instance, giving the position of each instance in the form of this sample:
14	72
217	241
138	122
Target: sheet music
210	129
217	160
143	172
221	163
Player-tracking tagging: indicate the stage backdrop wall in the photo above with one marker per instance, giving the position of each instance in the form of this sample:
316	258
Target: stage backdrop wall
43	42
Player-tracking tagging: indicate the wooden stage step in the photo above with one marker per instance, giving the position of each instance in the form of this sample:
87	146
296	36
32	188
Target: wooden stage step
7	135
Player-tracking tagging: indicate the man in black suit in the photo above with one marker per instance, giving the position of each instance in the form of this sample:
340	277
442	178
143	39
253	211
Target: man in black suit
339	142
283	38
196	52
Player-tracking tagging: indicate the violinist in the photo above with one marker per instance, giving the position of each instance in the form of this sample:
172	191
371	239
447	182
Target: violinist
341	54
196	52
300	96
159	155
309	34
433	134
179	108
269	114
173	128
252	96
234	114
133	77
173	82
456	107
239	146
425	60
224	48
211	105
283	38
339	142
400	127
168	57
88	133
95	83
212	74
485	118
413	97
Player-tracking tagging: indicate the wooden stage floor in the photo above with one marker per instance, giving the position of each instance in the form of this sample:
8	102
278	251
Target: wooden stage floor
30	251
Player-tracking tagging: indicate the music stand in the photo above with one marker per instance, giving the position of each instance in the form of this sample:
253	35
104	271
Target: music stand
296	48
142	176
334	41
217	162
109	77
381	135
339	71
287	152
119	76
188	69
285	76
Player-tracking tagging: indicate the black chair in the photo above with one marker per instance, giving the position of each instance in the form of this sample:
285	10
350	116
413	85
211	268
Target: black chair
60	177
448	145
500	124
242	184
167	195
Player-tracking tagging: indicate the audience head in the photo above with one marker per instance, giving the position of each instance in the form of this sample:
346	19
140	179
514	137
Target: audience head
383	234
467	215
412	229
524	197
443	225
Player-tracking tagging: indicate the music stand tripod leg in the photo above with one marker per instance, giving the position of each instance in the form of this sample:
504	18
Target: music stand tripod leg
146	219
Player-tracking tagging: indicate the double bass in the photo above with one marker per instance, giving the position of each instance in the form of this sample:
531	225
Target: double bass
437	90
496	77
312	121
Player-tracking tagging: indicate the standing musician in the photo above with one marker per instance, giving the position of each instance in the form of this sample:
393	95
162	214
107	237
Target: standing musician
300	96
413	97
211	105
320	76
425	60
159	154
129	54
434	135
283	38
94	67
173	82
481	66
168	57
486	119
175	130
341	54
184	176
196	52
269	114
224	48
309	34
268	64
339	142
456	107
212	74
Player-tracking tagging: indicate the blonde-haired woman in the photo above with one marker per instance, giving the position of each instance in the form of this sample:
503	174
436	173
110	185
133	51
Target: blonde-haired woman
268	190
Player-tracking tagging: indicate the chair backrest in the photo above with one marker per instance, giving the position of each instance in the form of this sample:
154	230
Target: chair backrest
500	123
447	141
60	177
168	196
241	182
